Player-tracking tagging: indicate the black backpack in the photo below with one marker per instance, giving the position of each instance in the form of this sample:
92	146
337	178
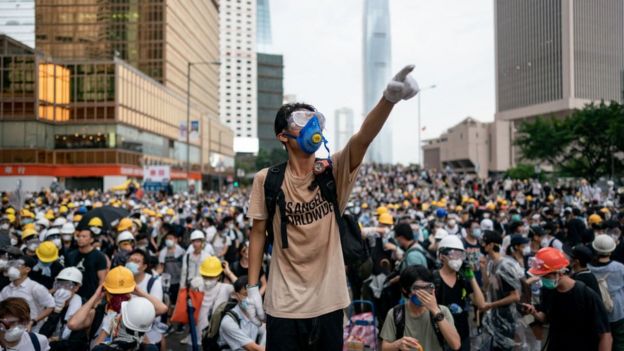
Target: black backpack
354	250
211	334
398	314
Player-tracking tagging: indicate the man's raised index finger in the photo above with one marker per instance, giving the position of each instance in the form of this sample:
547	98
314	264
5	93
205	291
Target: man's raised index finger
404	72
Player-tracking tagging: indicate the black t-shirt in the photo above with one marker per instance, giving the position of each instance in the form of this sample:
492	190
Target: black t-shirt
89	264
47	281
456	298
576	328
589	279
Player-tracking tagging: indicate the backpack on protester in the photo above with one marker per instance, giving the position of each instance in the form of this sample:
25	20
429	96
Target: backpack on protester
604	293
355	251
431	262
398	314
211	334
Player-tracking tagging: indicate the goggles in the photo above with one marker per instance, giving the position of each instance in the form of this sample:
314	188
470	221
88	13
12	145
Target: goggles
64	284
454	254
299	119
15	263
423	286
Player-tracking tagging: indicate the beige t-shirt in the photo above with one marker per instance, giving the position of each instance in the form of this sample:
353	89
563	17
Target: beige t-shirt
308	278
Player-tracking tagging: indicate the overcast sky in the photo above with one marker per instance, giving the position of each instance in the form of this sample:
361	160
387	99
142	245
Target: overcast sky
451	42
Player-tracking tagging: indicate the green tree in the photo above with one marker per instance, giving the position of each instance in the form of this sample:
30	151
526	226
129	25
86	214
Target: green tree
545	139
267	158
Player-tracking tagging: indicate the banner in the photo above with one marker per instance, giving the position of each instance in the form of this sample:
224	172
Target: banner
194	133
156	173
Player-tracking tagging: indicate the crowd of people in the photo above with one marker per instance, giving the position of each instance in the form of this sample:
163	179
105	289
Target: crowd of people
497	264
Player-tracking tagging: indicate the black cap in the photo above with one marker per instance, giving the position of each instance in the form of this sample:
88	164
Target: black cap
518	239
490	236
582	253
537	230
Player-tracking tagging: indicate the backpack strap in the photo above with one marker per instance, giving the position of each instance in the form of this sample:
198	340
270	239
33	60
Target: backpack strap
329	192
35	341
274	196
150	283
398	314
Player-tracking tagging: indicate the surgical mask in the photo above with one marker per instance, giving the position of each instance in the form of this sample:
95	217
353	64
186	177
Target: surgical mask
549	283
4	226
526	251
3	263
15	333
96	230
210	283
66	237
169	243
13	273
57	242
415	300
477	234
310	136
13	242
455	264
32	246
231	226
133	267
142	247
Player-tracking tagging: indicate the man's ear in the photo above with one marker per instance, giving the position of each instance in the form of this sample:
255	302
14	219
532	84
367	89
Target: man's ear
282	138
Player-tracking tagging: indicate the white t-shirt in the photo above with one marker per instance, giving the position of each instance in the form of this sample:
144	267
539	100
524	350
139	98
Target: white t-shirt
26	344
74	304
153	335
35	294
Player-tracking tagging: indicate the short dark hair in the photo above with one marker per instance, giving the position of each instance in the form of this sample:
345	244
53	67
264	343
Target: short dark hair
240	283
146	256
281	122
404	230
412	274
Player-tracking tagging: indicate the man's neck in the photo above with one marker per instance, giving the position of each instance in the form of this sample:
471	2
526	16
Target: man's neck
446	270
139	277
604	259
301	166
565	284
415	310
471	239
495	256
19	281
85	249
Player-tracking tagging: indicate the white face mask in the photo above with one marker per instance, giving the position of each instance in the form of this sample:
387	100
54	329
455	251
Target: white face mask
13	242
57	242
210	283
3	263
66	237
15	333
455	264
169	243
13	273
32	246
96	230
526	251
4	226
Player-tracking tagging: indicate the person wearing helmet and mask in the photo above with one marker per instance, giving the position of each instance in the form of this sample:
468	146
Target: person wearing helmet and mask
612	274
67	236
215	292
91	262
197	252
125	244
584	326
39	300
130	327
455	284
30	240
14	321
48	265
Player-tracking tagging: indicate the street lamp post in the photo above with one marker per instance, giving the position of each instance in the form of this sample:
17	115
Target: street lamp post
419	128
188	114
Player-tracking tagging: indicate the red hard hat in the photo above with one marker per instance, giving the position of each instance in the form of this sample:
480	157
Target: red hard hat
548	260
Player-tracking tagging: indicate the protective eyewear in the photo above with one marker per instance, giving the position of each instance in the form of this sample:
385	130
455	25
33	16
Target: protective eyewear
7	323
63	284
455	254
15	263
299	119
420	286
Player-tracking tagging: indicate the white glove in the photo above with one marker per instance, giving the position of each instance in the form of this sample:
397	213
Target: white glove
253	295
197	283
402	86
60	297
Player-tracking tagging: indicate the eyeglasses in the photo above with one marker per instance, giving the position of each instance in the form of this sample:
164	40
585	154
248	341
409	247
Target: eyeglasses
455	254
299	119
423	286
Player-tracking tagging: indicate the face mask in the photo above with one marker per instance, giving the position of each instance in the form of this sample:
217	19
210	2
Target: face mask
415	300
66	237
142	247
231	226
57	242
526	251
4	226
167	219
15	333
114	301
169	243
13	242
13	273
549	283
96	230
310	137
455	264
133	267
32	246
3	264
210	283
477	234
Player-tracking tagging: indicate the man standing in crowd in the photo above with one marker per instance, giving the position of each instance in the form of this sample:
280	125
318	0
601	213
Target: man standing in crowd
89	261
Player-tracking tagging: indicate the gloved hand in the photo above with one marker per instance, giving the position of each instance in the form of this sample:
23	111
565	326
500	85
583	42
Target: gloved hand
467	272
196	283
253	294
60	298
402	86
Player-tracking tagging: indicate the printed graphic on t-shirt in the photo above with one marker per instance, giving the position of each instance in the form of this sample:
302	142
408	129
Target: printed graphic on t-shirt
303	213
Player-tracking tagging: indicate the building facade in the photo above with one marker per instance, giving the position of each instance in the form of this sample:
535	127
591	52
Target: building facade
238	88
17	20
343	127
270	95
377	72
554	56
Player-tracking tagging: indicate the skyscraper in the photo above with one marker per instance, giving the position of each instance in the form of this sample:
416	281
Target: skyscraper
265	38
377	71
17	20
343	127
238	89
554	56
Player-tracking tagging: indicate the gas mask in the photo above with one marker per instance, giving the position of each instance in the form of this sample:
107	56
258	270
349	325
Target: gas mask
311	133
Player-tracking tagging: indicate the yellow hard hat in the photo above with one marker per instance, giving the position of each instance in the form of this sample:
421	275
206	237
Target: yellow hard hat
386	218
529	198
425	207
594	219
119	280
490	206
71	205
77	218
95	222
458	208
97	204
47	252
604	210
381	210
10	210
365	205
49	215
551	198
26	214
28	232
211	267
28	226
170	212
11	218
124	224
63	209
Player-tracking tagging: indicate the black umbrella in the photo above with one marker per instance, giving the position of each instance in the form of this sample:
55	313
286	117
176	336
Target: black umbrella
108	214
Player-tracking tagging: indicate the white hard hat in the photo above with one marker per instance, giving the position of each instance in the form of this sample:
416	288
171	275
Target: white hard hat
52	231
124	236
138	314
603	244
487	224
68	228
441	233
198	234
43	222
72	274
59	222
451	242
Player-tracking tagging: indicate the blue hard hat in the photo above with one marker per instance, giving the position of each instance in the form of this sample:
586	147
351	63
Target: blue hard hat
441	212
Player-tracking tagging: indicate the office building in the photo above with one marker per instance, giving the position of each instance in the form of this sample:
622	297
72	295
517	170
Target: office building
238	88
270	94
264	34
343	127
377	72
17	20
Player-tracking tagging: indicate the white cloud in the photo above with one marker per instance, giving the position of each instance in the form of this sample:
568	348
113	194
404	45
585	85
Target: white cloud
451	42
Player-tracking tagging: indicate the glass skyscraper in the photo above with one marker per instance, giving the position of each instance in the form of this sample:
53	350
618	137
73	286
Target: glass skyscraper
377	71
264	37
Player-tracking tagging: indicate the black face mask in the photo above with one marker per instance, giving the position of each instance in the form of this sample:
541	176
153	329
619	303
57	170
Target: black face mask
482	249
